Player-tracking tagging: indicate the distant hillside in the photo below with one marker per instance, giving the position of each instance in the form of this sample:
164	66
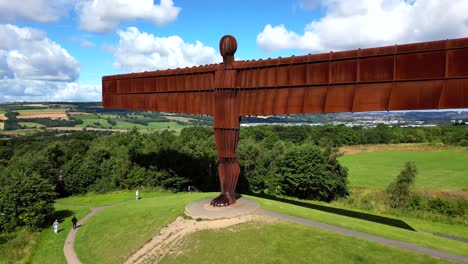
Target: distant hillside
24	118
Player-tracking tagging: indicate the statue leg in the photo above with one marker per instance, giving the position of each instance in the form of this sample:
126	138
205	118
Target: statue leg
228	167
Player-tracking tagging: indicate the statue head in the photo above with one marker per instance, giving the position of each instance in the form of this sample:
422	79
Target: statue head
227	48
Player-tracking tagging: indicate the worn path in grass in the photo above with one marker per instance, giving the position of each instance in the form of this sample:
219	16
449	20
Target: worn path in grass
72	257
68	248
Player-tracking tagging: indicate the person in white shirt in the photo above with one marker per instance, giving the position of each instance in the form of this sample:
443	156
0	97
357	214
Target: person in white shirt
55	226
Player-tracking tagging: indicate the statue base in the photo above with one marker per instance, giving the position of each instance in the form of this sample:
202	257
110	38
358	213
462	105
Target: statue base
202	209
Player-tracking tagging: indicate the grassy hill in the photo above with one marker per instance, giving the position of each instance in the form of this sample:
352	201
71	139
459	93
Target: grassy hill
113	234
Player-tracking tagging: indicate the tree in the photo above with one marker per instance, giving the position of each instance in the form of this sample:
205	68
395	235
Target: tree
399	191
309	172
25	199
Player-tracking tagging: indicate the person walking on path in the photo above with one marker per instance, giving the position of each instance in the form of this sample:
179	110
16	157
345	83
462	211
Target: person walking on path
74	221
137	195
55	226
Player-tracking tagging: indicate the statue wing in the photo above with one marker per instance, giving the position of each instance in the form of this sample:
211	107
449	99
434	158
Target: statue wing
188	90
429	75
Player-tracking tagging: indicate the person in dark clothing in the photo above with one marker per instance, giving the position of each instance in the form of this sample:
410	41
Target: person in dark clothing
74	221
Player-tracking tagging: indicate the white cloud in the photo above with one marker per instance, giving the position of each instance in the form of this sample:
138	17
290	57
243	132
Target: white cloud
29	54
350	24
140	51
35	68
17	90
34	10
103	15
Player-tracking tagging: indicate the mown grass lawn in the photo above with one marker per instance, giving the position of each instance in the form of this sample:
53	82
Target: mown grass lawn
437	170
92	199
418	238
49	247
282	242
114	233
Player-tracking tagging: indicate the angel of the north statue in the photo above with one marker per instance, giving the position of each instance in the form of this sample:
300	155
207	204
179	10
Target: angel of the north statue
428	75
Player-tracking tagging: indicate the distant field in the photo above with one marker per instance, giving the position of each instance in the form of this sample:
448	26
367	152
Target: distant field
30	124
151	125
36	105
92	120
179	118
2	116
53	114
445	169
19	132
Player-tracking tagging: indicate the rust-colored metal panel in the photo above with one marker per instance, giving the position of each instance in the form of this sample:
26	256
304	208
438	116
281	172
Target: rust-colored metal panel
123	86
380	51
151	102
317	73
138	85
252	102
415	95
376	69
421	65
454	94
283	76
149	85
344	71
422	46
281	101
457	63
163	102
314	99
339	99
371	97
295	101
299	75
260	102
270	99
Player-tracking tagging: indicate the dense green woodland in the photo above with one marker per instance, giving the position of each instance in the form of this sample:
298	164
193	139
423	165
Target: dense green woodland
298	161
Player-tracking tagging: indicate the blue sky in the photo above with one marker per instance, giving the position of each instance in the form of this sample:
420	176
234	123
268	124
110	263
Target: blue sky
59	50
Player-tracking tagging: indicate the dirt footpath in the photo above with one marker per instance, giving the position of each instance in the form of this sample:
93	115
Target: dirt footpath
168	238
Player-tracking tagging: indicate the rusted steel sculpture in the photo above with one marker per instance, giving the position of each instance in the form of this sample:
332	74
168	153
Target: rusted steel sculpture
428	75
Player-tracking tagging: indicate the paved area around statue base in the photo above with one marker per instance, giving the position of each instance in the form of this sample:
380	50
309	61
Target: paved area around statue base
203	210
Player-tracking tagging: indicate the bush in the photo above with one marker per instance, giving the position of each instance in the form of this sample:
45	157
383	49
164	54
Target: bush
26	199
309	172
448	207
399	191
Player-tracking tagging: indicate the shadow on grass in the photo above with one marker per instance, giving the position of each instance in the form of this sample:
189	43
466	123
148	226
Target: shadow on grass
359	215
60	215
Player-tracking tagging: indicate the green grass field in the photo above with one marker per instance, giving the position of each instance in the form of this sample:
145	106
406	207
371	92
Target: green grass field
49	247
92	199
90	120
128	225
437	170
419	238
30	124
283	242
